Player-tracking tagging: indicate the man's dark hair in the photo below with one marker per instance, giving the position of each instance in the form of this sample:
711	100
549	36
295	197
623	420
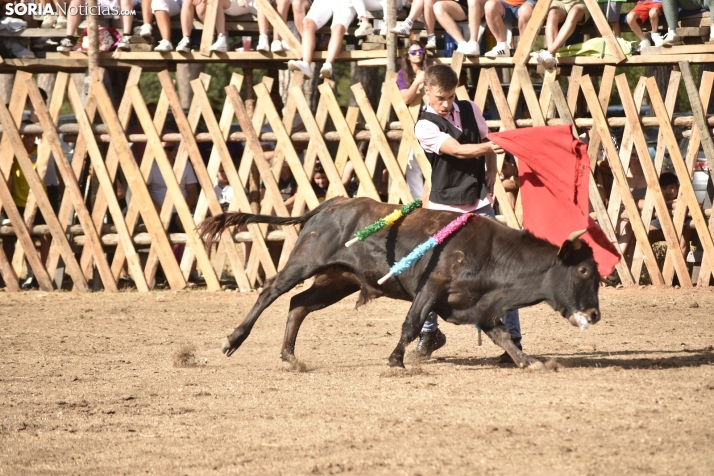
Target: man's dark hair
441	76
668	178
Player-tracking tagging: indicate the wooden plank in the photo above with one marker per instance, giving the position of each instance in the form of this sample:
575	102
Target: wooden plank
137	185
173	187
648	208
105	182
246	162
574	88
683	50
279	26
240	199
481	94
207	200
457	59
372	155
342	151
11	132
603	27
546	104
71	187
528	38
385	150
652	178
209	27
16	108
606	82
8	273
618	173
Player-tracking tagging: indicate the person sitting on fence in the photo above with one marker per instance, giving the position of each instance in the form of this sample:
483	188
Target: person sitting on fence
127	22
453	136
72	23
20	190
320	182
198	8
612	15
405	28
644	10
448	13
363	7
342	15
671	14
163	10
300	8
500	12
223	189
147	17
563	17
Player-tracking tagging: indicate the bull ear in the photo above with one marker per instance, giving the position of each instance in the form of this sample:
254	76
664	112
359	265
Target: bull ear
571	244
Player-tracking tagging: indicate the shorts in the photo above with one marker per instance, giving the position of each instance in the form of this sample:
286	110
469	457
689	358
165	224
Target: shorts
510	12
642	10
173	7
322	10
613	15
235	10
564	6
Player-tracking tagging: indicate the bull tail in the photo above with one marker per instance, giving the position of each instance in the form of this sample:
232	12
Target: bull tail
211	228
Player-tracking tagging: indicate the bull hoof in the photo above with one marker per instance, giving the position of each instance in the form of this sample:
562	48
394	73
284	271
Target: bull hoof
227	349
536	365
396	362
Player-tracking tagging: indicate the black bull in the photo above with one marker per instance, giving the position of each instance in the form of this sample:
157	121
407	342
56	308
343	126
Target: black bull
478	274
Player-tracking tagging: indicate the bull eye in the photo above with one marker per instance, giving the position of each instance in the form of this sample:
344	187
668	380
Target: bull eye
584	271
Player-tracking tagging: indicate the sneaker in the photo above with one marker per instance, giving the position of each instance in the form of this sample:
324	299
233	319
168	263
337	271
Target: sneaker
48	21
221	44
66	45
365	28
469	48
326	71
263	44
383	30
29	283
44	43
644	44
60	23
498	52
403	30
286	47
656	39
429	342
18	50
672	39
146	30
124	43
276	46
184	45
431	44
164	46
505	358
302	66
547	60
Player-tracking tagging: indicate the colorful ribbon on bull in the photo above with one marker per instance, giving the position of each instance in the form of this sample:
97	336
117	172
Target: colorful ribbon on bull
384	222
420	250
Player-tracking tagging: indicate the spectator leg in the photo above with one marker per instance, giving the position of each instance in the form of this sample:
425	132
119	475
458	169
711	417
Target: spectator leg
163	21
336	37
654	19
300	8
524	16
448	13
308	39
416	10
552	26
283	7
73	21
635	25
671	13
263	23
147	15
187	13
494	19
575	15
127	21
429	18
476	12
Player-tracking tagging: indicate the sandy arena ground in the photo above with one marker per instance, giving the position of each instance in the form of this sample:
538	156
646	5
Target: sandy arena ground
89	385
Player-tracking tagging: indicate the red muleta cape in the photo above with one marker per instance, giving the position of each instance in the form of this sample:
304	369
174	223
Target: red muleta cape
553	169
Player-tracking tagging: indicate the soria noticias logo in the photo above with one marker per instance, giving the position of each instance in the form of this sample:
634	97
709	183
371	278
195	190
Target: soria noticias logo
21	9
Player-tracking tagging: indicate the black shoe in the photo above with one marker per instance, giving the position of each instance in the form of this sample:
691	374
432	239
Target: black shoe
505	358
429	342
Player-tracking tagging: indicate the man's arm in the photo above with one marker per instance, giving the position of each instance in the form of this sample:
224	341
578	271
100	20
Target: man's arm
468	151
491	169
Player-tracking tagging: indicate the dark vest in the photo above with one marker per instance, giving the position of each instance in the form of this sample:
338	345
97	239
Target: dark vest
457	181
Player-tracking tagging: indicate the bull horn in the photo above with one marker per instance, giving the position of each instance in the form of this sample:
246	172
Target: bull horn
576	234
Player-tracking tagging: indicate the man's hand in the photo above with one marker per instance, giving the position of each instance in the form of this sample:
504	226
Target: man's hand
496	149
419	78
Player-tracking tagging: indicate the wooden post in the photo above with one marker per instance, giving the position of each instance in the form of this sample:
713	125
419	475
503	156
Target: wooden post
390	17
93	37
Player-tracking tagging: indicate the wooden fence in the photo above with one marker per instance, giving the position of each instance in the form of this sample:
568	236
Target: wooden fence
81	239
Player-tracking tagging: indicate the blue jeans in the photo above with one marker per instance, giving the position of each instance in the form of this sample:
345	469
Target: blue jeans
510	319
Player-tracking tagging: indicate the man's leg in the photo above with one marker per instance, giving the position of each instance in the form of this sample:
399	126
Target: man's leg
525	12
632	20
575	16
448	13
552	26
494	19
308	39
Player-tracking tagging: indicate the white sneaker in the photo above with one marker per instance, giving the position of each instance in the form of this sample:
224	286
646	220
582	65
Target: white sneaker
672	39
146	30
498	52
431	44
184	45
383	30
402	30
221	44
61	23
469	48
276	46
656	39
326	71
547	60
66	45
286	47
124	43
302	66
48	21
164	46
18	50
263	44
365	28
644	44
